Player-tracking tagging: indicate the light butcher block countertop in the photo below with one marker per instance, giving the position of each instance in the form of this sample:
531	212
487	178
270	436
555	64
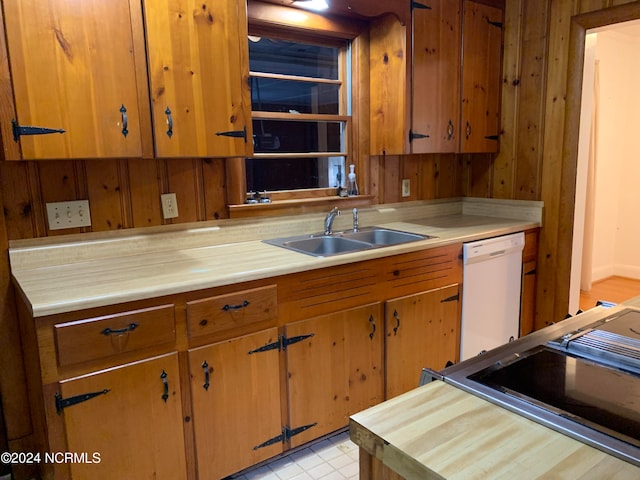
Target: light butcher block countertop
438	431
80	271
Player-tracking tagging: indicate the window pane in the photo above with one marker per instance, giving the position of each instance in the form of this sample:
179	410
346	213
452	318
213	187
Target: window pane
269	55
271	136
294	173
275	95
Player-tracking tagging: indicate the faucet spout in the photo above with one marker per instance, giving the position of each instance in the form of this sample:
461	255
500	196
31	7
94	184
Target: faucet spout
328	221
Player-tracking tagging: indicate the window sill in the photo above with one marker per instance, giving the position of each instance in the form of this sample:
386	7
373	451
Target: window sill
297	206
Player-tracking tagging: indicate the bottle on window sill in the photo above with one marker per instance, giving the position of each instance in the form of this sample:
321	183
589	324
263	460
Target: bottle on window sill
352	185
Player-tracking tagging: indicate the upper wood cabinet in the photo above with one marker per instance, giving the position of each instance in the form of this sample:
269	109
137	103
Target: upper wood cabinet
198	73
436	78
73	70
481	71
435	84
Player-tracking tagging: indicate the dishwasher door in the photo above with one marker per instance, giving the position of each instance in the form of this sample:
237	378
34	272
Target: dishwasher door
492	278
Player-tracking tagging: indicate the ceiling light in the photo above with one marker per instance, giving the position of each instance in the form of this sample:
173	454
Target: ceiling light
317	5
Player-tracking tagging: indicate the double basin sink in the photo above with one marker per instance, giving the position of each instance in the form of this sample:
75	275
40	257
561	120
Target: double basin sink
346	242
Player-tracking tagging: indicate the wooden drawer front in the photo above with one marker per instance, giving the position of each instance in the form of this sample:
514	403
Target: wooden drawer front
423	270
101	337
231	311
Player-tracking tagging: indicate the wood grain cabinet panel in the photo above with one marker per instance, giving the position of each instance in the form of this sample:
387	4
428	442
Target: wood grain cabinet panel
73	69
335	370
481	73
134	422
94	338
233	312
435	125
422	330
235	391
435	84
198	73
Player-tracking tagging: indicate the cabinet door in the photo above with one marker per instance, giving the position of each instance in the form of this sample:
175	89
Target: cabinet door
199	68
236	403
134	423
336	372
436	77
422	330
72	69
481	70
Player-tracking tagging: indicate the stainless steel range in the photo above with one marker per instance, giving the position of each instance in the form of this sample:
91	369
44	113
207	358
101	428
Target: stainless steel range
580	377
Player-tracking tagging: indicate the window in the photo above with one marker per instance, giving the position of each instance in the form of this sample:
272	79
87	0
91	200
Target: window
300	111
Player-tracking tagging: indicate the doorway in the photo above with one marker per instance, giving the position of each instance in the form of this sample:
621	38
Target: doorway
605	215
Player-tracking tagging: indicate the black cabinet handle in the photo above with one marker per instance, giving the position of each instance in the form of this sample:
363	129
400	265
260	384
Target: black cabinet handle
167	112
397	317
163	377
468	132
372	321
205	369
125	120
228	307
119	331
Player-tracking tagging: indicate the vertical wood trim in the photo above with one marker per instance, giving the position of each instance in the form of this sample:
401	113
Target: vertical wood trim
38	208
213	173
124	190
236	181
10	148
144	193
506	161
554	99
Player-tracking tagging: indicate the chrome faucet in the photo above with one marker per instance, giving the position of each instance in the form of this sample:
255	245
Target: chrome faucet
328	221
356	225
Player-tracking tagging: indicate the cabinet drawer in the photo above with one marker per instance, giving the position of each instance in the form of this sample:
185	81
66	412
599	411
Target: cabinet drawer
234	310
100	337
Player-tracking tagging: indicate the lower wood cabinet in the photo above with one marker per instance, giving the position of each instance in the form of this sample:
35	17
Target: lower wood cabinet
335	370
235	393
130	417
422	330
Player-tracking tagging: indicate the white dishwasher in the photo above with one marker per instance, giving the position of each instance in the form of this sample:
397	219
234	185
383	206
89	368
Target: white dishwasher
492	277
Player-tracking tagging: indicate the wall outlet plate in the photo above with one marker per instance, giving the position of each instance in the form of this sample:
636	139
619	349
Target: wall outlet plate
406	187
68	214
169	205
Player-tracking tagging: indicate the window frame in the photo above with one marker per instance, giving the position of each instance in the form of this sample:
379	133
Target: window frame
271	20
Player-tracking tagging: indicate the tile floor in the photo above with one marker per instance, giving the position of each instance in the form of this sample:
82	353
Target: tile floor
332	458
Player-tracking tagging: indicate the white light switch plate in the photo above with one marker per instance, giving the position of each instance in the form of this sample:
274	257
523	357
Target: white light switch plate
68	214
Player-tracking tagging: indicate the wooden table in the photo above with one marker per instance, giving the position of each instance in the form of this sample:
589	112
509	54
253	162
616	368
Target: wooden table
439	431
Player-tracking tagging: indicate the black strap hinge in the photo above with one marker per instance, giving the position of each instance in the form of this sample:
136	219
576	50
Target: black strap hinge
19	130
415	135
419	6
452	298
234	133
492	137
281	344
62	403
495	24
286	434
531	272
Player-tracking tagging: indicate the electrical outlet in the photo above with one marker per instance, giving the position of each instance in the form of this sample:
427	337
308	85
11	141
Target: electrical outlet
68	214
406	187
169	205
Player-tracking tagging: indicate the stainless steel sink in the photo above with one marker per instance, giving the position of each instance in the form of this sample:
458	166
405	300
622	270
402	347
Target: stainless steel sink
345	242
323	246
383	236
